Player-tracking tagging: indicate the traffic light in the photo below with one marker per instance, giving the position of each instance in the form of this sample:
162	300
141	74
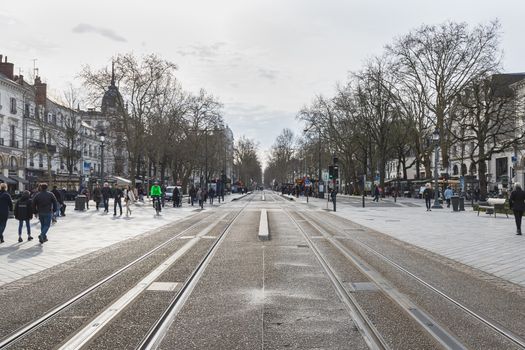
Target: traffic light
330	172
336	172
336	160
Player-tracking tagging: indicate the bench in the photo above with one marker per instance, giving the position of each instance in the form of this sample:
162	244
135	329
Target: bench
492	205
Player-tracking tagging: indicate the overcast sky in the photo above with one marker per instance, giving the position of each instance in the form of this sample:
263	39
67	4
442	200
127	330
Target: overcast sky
263	59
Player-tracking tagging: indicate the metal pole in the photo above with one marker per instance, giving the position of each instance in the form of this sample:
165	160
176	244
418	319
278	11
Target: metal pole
364	189
102	161
436	184
320	173
206	165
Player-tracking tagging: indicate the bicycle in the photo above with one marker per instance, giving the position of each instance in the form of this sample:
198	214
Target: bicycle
156	205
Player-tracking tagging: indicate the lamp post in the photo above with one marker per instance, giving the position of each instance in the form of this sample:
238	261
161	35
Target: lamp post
435	139
102	139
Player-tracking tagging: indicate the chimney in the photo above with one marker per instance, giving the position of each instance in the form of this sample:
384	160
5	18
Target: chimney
7	68
20	79
41	92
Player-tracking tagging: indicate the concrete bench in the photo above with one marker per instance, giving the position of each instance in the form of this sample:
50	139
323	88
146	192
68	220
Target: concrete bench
492	205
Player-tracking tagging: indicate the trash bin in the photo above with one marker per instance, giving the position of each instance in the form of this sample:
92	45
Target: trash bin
455	203
461	203
80	202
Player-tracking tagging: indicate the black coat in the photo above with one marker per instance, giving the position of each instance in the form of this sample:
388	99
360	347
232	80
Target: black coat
24	209
517	199
6	205
106	192
45	203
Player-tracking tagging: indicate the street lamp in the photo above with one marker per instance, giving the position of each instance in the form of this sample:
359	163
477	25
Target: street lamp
435	139
102	139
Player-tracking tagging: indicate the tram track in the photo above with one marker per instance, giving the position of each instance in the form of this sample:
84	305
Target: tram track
14	339
509	335
443	336
370	333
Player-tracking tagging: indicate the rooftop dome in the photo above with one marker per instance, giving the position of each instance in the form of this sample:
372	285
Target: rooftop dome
112	100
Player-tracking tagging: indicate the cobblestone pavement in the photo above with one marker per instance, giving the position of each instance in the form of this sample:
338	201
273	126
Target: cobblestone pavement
79	233
482	242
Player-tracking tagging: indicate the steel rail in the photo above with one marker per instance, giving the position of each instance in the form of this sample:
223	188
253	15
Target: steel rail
369	332
25	330
491	324
157	332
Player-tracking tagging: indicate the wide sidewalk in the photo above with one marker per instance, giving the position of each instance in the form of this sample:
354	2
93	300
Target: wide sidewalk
483	242
80	233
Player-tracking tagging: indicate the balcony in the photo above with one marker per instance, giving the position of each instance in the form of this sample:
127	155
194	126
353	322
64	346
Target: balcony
42	146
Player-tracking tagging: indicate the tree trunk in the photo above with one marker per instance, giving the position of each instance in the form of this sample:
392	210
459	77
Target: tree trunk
482	172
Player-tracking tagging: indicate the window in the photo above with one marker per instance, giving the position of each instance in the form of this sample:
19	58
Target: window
501	168
31	134
26	110
455	170
12	136
54	119
13	105
40	161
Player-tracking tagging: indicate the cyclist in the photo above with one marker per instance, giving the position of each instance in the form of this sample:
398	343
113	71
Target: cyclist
156	193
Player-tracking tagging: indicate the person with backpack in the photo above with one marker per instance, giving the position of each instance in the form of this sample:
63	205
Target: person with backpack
517	204
6	205
45	204
24	214
428	194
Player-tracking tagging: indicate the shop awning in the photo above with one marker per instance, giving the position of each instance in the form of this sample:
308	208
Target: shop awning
19	179
7	180
121	180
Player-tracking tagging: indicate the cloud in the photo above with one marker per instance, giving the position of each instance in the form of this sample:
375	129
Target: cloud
269	74
108	33
203	52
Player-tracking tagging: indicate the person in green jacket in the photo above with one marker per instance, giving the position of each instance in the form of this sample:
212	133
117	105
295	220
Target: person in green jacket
155	192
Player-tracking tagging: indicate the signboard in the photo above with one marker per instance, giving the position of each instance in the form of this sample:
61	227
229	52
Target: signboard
325	175
87	167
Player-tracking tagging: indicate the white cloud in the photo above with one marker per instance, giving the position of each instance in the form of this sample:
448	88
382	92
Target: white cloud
105	32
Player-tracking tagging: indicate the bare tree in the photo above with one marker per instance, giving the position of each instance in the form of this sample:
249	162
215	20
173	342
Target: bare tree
486	120
441	60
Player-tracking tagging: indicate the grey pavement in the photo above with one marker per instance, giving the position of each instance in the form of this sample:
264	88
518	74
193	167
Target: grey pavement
486	243
80	233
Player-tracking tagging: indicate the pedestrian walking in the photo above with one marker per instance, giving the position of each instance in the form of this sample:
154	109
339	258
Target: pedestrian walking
6	205
200	198
193	195
448	195
517	204
106	193
176	197
24	213
376	194
58	197
129	199
211	195
117	199
427	194
97	196
44	203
